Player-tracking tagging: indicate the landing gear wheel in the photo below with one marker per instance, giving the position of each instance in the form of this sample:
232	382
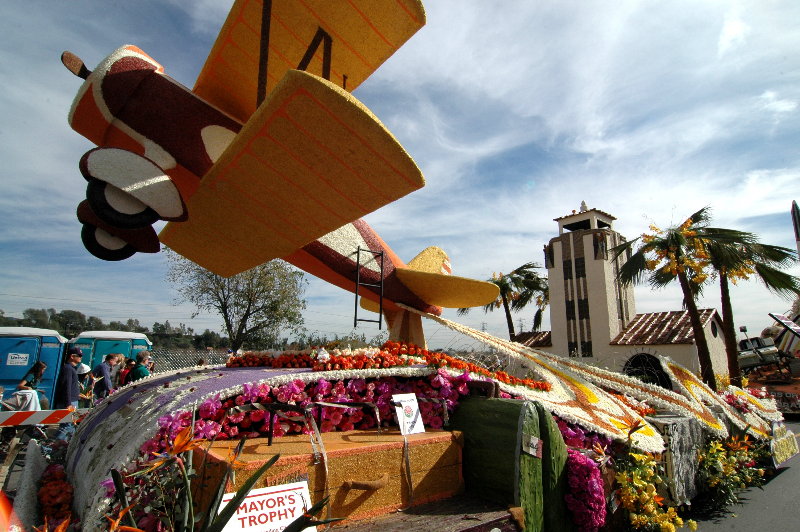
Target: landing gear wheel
104	245
118	208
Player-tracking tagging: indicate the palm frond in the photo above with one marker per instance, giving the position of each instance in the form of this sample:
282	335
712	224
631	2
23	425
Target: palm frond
701	217
634	271
778	281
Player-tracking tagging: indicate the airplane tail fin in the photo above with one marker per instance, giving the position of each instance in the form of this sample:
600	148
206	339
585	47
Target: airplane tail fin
432	260
428	275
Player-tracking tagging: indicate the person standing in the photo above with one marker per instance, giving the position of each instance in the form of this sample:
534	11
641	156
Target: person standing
68	390
122	376
102	373
86	383
140	370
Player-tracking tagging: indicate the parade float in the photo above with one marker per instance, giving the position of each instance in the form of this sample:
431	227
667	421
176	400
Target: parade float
572	447
345	437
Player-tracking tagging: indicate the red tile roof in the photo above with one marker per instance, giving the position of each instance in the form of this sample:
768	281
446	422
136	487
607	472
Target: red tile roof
660	328
581	212
534	339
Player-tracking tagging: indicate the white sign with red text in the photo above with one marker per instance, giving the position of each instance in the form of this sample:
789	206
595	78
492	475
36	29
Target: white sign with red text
269	509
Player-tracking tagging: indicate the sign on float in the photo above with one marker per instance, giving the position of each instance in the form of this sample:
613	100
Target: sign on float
269	509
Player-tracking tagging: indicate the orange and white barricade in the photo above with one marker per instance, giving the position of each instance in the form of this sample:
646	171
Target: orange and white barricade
39	417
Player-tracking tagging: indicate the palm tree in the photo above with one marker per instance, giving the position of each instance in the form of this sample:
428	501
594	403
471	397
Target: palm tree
517	289
734	262
674	254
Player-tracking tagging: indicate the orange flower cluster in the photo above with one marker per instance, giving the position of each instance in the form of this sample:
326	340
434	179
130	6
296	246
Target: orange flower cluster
441	360
359	361
640	408
55	494
399	348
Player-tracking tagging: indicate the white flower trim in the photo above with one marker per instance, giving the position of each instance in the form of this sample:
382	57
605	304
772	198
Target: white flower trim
656	396
311	376
767	408
572	397
691	386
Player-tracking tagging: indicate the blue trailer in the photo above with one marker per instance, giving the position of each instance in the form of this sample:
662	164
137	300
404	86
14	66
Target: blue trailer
97	344
20	348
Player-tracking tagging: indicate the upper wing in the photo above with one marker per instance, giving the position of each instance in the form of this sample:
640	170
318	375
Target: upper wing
311	159
361	35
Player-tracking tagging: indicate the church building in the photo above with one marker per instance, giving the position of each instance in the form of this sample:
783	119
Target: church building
593	316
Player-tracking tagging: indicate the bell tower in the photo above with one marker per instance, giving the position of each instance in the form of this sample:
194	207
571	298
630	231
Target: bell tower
588	306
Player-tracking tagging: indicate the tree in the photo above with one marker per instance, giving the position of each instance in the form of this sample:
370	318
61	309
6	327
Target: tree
255	306
675	254
209	339
37	317
93	323
739	261
517	290
70	322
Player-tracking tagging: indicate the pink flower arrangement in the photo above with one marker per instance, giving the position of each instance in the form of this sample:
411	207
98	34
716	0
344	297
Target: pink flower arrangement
212	422
586	499
576	436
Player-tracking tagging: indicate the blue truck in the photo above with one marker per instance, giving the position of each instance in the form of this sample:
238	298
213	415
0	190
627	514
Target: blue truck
20	348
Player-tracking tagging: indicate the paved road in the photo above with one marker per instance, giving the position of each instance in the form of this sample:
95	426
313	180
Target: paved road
775	508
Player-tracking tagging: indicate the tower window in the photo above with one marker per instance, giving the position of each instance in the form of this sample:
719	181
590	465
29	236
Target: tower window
583	309
570	310
567	269
572	349
580	267
586	349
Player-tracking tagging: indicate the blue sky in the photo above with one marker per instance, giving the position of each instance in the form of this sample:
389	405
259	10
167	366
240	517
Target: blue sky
515	111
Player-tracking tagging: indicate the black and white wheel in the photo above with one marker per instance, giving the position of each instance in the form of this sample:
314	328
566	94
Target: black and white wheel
104	245
118	208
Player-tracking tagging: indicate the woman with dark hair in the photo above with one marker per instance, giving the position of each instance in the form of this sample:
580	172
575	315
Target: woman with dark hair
31	382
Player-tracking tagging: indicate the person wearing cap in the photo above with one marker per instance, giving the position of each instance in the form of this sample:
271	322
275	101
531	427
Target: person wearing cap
68	390
140	370
102	374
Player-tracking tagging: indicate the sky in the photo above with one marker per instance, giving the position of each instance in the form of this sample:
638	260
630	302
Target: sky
515	112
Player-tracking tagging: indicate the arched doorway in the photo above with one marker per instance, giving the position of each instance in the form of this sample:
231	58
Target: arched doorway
647	368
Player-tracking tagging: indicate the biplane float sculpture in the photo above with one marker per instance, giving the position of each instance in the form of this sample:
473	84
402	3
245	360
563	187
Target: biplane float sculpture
268	156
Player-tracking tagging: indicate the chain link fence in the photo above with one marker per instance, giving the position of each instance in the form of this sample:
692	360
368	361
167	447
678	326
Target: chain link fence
168	359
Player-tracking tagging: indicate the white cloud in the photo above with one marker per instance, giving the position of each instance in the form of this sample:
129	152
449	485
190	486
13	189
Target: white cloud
770	101
733	34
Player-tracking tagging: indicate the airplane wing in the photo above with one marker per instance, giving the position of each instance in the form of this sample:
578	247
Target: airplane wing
442	290
448	291
345	40
311	159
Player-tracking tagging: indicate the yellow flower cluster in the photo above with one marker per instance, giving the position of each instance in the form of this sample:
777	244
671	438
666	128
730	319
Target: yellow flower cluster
742	273
728	467
671	260
638	493
724	380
